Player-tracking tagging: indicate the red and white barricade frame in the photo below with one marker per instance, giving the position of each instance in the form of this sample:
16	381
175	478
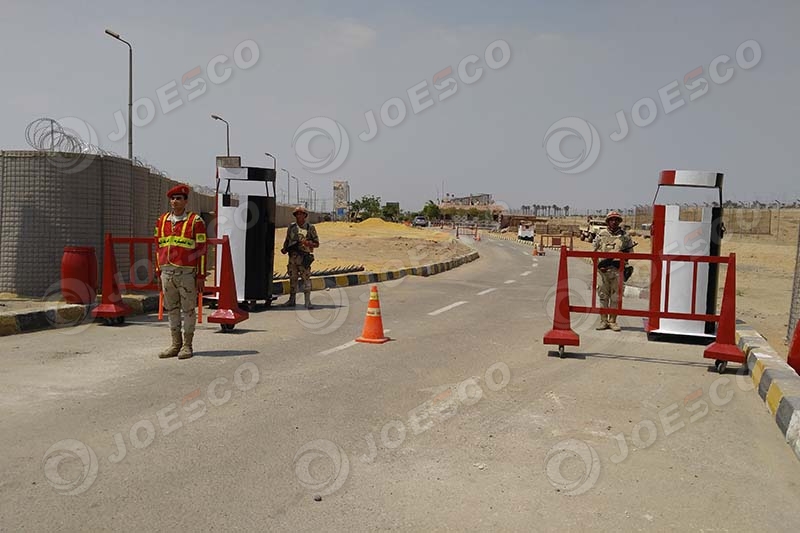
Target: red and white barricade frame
685	259
113	309
722	350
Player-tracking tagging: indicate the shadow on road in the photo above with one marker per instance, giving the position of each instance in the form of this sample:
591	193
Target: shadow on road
568	355
226	353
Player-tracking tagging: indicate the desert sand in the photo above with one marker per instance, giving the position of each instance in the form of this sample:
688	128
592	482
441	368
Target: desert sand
375	244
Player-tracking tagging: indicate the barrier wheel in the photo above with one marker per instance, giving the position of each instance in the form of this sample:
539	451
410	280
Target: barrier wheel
120	320
109	321
720	365
561	352
227	327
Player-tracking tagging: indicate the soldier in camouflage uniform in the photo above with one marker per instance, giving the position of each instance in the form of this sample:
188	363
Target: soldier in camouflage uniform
613	239
301	240
180	269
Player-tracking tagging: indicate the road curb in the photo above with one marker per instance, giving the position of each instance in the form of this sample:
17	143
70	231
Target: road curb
63	315
775	381
280	288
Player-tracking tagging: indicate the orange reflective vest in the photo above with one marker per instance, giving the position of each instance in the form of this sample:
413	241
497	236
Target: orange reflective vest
182	243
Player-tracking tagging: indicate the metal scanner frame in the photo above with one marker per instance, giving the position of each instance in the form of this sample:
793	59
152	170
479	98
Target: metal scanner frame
250	227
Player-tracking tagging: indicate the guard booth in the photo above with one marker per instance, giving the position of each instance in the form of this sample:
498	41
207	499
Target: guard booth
246	210
694	231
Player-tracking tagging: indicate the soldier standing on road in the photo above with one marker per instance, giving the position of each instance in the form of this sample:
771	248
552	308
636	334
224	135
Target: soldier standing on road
180	269
301	240
613	239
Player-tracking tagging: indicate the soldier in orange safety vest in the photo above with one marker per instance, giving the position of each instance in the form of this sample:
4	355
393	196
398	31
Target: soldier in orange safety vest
181	269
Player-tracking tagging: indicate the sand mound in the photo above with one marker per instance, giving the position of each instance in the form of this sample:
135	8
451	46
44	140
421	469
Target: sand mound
376	223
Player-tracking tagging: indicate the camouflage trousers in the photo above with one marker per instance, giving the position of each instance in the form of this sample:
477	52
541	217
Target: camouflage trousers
296	269
608	287
180	298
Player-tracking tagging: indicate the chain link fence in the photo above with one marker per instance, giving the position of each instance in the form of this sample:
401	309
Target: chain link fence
794	310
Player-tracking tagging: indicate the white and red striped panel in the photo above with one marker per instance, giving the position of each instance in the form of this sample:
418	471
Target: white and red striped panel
691	178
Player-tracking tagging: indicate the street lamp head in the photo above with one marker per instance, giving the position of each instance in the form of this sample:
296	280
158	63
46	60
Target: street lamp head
114	34
216	117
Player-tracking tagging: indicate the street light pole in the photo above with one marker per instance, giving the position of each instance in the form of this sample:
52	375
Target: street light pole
288	187
227	131
298	188
308	187
274	161
116	36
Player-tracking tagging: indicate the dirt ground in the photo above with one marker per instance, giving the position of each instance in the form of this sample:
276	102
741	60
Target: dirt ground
375	244
765	267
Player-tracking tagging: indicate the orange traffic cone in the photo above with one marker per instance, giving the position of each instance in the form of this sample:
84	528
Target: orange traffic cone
562	333
111	305
228	312
724	347
373	323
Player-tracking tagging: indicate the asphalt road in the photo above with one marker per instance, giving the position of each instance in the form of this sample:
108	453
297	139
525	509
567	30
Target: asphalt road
463	421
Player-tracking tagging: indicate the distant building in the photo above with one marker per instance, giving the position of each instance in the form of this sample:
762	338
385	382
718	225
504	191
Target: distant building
473	200
480	202
341	198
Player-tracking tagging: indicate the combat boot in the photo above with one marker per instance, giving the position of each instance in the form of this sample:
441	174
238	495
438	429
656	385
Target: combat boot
308	300
186	352
612	323
173	350
291	302
603	323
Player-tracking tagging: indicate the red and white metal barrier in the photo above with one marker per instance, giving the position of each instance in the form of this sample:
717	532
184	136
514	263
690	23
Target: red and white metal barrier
555	242
723	350
469	231
114	310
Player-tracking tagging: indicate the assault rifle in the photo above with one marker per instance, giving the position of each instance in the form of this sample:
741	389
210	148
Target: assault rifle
294	247
609	263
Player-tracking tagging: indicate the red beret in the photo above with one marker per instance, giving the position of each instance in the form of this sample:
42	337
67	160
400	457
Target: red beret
178	189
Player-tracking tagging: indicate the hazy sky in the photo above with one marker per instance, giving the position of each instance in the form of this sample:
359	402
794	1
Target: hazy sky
342	59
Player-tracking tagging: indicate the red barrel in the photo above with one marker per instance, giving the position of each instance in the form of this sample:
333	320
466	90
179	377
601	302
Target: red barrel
79	275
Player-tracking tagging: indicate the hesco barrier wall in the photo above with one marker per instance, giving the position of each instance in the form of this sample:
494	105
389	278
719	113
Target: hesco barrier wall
794	311
49	200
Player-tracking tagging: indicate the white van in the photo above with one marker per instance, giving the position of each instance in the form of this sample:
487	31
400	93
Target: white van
525	231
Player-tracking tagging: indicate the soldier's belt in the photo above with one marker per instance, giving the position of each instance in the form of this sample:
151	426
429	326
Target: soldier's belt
176	269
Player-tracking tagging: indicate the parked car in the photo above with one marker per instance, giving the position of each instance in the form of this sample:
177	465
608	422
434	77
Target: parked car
420	221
